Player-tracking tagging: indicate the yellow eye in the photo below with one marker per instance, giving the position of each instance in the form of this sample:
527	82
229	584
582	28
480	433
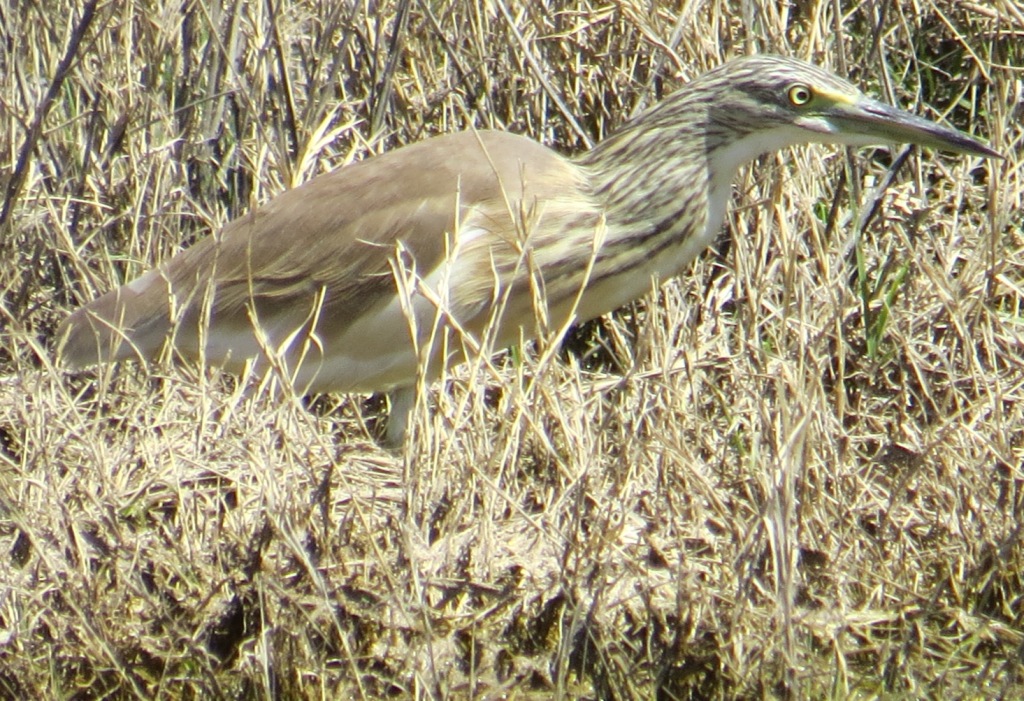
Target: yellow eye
800	95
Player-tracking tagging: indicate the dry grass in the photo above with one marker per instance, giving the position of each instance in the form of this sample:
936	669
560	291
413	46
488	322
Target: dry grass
785	474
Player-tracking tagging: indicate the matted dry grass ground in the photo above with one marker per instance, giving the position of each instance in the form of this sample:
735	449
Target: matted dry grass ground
796	471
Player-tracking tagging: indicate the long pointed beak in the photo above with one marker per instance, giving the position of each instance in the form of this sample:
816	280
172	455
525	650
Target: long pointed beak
876	121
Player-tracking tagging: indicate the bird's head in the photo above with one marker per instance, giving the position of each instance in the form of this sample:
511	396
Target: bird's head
770	101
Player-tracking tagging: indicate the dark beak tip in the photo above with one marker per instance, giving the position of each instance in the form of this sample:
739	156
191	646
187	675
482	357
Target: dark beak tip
979	149
952	140
991	153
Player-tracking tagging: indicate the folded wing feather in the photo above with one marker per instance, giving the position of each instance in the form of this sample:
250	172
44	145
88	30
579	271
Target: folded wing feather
320	258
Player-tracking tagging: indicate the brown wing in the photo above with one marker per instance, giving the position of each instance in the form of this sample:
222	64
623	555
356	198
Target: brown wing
334	237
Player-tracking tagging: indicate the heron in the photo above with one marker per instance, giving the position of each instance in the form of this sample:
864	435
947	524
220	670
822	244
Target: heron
371	276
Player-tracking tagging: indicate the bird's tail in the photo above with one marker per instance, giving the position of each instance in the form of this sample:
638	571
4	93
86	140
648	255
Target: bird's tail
115	327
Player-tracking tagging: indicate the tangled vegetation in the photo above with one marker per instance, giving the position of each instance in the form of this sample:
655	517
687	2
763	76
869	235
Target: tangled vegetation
797	471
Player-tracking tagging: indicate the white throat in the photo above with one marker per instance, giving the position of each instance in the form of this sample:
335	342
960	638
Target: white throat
727	160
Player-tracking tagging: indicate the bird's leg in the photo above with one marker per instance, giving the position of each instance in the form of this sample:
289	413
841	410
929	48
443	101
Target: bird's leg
402	401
